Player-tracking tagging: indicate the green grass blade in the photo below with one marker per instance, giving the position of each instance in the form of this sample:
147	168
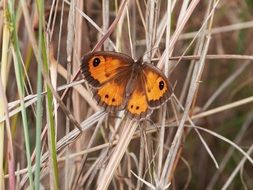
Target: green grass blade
20	84
39	108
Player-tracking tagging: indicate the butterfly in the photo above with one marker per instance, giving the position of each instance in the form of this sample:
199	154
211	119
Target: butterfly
119	83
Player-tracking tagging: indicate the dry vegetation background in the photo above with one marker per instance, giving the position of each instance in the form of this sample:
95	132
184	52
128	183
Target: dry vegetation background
201	139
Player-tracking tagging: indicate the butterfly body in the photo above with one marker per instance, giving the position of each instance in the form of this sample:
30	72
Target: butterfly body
120	83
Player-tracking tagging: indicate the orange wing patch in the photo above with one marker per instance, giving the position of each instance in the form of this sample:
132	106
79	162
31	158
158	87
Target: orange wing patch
111	95
101	69
137	106
157	88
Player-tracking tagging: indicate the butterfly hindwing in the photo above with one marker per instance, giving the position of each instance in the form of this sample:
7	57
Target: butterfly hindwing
137	105
112	94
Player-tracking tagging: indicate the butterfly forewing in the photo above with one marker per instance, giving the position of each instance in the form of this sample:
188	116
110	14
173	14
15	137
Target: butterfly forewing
100	67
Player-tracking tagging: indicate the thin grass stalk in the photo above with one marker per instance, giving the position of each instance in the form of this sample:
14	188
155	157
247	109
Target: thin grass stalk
140	163
4	106
78	51
67	161
133	20
119	29
69	49
162	131
226	83
51	109
52	17
150	27
2	15
182	11
106	19
39	108
20	84
246	125
220	30
197	50
157	12
112	26
76	98
93	24
46	77
73	135
60	33
84	158
4	62
54	176
52	132
117	155
52	140
178	30
230	142
236	170
171	158
161	29
9	155
129	33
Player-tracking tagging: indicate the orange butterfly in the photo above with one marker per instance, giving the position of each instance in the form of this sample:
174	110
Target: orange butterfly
120	83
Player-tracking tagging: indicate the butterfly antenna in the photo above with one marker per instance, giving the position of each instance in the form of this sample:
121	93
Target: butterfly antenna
147	52
150	51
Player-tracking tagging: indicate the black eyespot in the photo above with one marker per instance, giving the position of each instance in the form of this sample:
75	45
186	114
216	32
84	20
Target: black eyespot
106	96
161	85
137	107
113	100
132	106
96	62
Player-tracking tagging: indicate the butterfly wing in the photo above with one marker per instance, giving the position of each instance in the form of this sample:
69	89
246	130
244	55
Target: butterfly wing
100	67
137	106
108	72
150	89
112	95
157	87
